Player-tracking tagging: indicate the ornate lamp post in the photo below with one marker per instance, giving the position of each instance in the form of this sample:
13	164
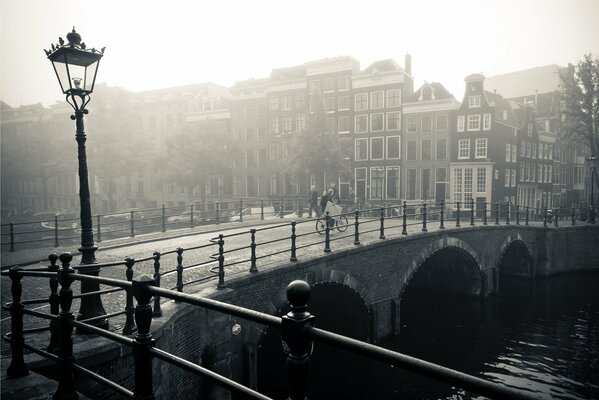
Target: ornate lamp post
592	163
76	68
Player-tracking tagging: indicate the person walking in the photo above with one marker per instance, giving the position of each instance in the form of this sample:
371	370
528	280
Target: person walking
313	200
323	201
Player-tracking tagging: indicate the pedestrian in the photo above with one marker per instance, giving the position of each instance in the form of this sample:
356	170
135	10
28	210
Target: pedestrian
323	201
313	202
333	194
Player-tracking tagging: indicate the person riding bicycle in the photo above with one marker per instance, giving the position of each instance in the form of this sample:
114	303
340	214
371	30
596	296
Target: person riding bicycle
331	202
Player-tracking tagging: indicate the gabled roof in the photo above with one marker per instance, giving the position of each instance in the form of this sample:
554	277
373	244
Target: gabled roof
500	104
382	66
438	92
543	79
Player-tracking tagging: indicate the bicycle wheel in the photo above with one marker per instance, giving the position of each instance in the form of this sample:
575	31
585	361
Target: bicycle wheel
342	223
321	225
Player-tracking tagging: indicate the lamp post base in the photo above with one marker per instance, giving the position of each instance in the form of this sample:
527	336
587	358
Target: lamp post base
91	306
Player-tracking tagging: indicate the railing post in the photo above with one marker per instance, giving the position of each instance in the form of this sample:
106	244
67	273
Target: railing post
163	218
281	205
129	308
404	230
261	209
545	218
253	250
66	384
485	213
442	215
240	210
526	220
497	213
382	234
54	303
299	207
424	218
327	234
218	212
157	310
357	229
573	216
221	263
471	212
457	223
191	216
98	228
293	236
143	388
179	252
12	236
56	244
507	213
17	365
300	347
132	225
556	217
517	214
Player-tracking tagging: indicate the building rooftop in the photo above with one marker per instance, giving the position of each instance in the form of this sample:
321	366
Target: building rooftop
543	79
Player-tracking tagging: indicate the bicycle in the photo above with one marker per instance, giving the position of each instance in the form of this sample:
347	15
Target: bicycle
340	223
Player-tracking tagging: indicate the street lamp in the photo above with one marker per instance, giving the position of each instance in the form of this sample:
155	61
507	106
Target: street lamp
76	68
592	164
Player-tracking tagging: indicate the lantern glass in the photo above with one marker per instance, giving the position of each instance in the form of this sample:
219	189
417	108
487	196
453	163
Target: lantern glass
592	162
76	70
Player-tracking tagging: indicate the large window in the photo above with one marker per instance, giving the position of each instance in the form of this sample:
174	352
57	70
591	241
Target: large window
393	182
411	152
377	122
343	83
463	149
487	122
361	123
481	148
394	121
462	185
467	186
508	152
376	148
460	126
507	178
287	124
361	149
427	124
330	103
250	158
425	183
343	124
331	124
411	184
441	148
427	149
481	180
361	102
286	102
343	102
377	176
361	183
300	102
273	103
411	124
473	123
274	125
393	149
441	122
394	98
377	100
301	122
328	85
474	101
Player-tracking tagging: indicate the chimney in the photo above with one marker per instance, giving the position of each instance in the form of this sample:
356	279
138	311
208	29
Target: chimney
408	64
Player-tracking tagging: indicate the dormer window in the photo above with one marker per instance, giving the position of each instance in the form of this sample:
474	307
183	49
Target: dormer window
427	93
473	101
504	115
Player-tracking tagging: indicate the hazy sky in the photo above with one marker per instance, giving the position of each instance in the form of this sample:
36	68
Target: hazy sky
155	44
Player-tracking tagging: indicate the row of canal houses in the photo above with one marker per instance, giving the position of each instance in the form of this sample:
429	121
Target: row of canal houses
415	145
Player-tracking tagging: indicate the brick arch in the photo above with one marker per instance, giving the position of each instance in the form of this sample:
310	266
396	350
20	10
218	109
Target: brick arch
509	241
436	246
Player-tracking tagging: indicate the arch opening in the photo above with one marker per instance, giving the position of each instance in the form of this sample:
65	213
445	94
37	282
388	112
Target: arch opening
515	261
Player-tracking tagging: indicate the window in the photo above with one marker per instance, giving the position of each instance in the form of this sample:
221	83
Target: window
474	101
331	124
411	125
361	183
394	98
481	180
393	148
287	124
376	148
274	125
458	184
425	183
549	172
504	114
427	149
328	85
314	86
508	152
343	124
377	100
250	133
522	148
514	150
411	184
460	123
486	122
361	149
513	179
463	149
300	102
473	123
301	122
521	172
441	149
329	103
394	121
361	102
467	186
361	123
411	152
343	102
528	149
427	124
393	182
377	174
533	152
507	178
250	158
343	83
377	122
274	103
286	102
263	156
441	122
481	148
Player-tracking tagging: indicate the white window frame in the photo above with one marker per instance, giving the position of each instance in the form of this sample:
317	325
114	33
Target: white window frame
408	125
278	126
508	152
356	123
393	92
364	140
393	168
474	101
371	186
461	123
466	148
339	103
345	80
422	123
437	122
382	122
478	147
486	122
288	105
430	141
398	148
514	152
360	95
297	122
380	93
473	118
382	139
398	113
346	117
513	178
